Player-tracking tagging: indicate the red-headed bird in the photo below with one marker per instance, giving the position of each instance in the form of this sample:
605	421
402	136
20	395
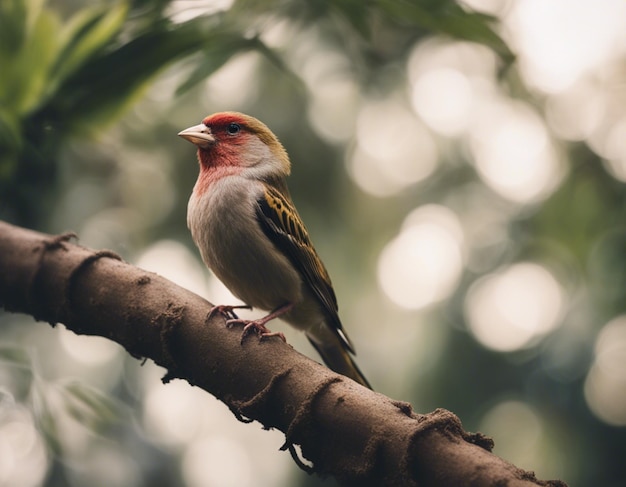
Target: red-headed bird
250	235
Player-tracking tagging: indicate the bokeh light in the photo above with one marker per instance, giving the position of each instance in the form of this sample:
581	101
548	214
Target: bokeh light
577	112
605	385
92	351
176	414
393	149
561	40
517	428
335	97
447	82
443	98
521	437
493	163
332	109
23	456
185	10
422	265
475	63
172	260
513	153
218	460
508	310
215	448
232	86
493	7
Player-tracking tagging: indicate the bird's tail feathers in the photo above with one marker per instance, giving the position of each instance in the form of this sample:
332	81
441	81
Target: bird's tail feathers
337	357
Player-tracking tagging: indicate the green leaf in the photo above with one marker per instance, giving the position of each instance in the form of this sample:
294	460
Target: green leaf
25	73
107	83
448	18
13	16
45	421
10	144
15	357
90	407
85	34
356	13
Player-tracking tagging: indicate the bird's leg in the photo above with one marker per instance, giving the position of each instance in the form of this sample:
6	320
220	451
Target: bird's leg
227	311
259	325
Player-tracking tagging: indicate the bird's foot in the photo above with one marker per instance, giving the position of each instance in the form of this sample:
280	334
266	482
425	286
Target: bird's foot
227	311
259	325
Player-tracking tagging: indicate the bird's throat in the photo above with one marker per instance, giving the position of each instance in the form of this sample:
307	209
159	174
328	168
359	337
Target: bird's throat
209	175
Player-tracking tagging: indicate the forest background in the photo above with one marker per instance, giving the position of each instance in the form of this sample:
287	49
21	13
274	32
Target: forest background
460	167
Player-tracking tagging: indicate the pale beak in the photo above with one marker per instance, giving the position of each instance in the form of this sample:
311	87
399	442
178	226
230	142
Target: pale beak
199	135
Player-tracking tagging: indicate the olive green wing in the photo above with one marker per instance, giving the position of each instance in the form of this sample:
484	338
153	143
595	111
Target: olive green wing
282	225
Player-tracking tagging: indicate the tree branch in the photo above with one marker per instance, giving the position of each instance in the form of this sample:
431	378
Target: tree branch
358	436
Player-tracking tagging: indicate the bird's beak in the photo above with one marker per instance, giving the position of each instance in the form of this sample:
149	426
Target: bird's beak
199	135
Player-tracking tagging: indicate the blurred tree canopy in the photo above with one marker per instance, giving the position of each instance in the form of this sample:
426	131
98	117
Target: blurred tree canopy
469	203
71	77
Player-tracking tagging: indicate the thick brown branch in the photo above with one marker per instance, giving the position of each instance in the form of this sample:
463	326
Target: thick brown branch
352	433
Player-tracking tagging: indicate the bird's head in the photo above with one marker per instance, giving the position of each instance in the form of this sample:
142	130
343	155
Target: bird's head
235	140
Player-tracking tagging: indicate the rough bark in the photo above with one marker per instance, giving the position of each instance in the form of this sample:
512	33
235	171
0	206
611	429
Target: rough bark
347	431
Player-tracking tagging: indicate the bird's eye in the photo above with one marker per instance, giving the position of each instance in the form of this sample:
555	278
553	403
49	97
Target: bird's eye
234	129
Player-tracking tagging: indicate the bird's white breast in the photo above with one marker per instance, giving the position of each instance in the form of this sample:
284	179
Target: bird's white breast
225	228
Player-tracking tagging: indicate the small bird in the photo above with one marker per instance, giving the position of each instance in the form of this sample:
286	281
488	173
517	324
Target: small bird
250	235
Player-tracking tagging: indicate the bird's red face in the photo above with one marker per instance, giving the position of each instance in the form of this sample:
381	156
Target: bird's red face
227	127
222	139
231	138
230	142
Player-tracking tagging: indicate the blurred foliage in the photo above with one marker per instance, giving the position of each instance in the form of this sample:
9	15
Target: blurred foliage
60	400
91	97
68	78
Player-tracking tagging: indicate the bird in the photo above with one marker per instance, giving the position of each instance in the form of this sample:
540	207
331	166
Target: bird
250	235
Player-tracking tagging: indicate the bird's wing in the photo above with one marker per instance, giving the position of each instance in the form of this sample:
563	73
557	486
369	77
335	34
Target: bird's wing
282	224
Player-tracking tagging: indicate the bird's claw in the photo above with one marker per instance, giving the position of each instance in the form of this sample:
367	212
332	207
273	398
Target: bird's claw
255	325
227	311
